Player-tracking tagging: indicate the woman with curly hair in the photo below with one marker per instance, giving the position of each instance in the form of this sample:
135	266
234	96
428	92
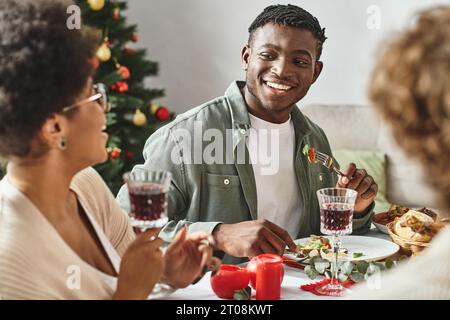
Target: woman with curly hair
410	87
62	234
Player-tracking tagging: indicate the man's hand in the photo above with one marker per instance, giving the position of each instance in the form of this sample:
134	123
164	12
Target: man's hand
251	238
361	182
188	257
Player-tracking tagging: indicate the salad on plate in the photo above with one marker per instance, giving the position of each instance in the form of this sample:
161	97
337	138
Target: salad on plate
320	246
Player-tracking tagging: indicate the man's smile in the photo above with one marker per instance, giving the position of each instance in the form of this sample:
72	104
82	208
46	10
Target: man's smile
278	88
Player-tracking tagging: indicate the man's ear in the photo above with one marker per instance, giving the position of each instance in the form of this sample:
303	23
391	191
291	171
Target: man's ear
53	129
245	55
317	70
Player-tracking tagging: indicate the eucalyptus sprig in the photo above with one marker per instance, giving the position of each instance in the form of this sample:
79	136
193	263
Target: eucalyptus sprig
355	271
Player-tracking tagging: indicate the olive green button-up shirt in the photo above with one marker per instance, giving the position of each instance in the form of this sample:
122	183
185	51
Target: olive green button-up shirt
205	193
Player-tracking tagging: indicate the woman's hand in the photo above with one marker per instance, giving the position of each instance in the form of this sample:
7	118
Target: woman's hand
141	267
188	258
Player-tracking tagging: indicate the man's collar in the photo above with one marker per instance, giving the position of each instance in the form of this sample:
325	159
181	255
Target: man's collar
237	105
302	127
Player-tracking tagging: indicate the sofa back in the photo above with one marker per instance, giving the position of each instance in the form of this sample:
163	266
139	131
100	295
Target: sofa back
357	127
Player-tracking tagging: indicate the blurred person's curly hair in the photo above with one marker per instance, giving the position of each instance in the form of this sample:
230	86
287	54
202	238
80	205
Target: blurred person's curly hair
411	87
43	67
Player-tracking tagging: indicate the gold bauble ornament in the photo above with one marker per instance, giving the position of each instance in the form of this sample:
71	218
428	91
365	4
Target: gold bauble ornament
96	5
103	52
139	118
153	108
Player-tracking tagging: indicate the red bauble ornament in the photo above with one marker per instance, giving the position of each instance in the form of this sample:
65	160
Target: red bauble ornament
129	155
135	38
124	72
120	86
124	87
162	114
115	153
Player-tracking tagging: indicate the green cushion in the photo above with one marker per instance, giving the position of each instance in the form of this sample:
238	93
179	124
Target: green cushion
375	165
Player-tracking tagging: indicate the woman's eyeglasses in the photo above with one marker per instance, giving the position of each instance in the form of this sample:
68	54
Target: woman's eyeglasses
100	96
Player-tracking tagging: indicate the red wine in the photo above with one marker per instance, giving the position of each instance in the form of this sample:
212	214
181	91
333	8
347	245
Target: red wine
336	218
148	203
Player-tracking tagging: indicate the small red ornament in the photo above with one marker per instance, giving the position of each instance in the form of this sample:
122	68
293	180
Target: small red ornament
124	72
129	155
135	37
124	87
162	114
115	153
120	86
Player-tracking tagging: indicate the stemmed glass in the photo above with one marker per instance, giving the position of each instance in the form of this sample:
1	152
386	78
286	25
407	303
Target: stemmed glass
336	219
148	192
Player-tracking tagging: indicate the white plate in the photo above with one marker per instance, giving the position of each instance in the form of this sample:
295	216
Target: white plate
373	248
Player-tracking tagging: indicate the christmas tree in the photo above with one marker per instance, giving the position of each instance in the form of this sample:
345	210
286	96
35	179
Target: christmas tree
134	114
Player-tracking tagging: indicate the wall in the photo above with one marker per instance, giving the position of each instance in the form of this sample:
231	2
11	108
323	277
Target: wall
198	44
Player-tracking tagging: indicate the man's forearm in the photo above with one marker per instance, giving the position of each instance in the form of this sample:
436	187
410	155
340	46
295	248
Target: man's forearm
362	214
362	220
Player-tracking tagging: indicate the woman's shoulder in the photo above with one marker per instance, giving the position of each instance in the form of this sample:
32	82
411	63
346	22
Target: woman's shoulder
89	177
18	241
93	192
90	186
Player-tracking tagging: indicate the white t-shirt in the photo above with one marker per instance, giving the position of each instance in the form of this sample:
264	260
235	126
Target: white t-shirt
272	151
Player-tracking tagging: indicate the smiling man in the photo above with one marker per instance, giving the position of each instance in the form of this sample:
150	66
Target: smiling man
247	209
282	62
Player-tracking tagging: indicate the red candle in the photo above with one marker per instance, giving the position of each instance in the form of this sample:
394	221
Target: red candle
268	277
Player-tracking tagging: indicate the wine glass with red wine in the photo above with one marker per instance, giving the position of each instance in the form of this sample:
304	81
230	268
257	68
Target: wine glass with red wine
148	192
336	219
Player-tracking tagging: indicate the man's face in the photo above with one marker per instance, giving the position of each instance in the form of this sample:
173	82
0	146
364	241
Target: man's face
281	66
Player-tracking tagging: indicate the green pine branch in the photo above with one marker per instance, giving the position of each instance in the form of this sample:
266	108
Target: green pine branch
123	133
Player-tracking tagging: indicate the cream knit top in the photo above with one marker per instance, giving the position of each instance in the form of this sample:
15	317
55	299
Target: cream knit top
36	263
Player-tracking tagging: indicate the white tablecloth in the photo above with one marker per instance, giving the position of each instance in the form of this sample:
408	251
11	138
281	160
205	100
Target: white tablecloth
293	279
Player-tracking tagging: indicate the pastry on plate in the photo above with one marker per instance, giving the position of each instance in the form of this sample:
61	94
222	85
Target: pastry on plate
416	226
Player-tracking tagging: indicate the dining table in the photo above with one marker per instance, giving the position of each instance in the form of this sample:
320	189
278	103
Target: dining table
290	287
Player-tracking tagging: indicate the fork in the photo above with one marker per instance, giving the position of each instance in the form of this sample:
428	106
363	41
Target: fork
327	161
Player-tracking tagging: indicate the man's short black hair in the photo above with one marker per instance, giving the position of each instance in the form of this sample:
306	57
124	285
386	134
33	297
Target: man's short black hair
291	16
